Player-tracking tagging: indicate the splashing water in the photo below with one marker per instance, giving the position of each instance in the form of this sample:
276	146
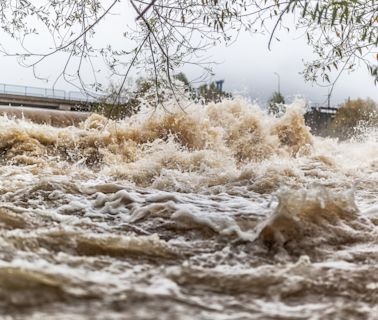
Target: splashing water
221	212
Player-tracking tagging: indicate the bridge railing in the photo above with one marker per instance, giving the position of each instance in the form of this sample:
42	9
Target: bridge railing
46	93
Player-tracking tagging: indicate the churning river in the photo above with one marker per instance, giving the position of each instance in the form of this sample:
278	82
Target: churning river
219	213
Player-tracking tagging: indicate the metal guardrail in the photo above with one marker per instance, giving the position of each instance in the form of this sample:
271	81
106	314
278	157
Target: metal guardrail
45	93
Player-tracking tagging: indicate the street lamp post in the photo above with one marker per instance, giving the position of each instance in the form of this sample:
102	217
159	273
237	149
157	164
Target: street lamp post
279	80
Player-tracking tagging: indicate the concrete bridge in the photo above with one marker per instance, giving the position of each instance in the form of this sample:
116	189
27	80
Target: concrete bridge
24	96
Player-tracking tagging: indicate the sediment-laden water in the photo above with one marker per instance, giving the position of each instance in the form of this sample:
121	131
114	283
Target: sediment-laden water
221	212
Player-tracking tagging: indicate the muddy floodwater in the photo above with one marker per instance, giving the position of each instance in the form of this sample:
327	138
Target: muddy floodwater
219	213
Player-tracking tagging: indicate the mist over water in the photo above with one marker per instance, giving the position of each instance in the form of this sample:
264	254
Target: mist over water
218	212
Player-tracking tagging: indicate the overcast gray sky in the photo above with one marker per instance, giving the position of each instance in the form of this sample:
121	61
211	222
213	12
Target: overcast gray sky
247	67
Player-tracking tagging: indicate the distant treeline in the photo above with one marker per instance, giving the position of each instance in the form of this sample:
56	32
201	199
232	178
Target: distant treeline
120	102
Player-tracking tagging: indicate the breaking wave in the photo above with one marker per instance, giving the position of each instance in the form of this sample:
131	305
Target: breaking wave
146	150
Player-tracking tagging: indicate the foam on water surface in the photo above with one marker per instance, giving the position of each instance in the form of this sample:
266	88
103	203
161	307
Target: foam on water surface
221	212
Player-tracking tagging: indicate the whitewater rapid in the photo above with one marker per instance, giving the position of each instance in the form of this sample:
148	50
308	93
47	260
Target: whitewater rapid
218	212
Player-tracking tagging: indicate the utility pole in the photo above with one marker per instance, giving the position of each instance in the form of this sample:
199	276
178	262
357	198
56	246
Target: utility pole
219	84
279	81
329	98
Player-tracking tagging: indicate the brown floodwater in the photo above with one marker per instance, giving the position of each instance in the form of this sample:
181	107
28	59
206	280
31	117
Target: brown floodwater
57	118
219	213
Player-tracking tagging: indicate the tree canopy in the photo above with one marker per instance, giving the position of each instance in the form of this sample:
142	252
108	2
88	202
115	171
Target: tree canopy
168	34
355	117
276	104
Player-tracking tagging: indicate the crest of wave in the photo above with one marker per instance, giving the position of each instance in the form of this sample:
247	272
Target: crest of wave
206	139
212	141
211	126
314	220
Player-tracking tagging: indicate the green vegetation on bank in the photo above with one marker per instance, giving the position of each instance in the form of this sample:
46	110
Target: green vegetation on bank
353	118
276	104
119	103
